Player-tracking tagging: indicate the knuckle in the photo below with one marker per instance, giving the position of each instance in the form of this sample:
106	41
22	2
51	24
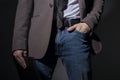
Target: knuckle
14	54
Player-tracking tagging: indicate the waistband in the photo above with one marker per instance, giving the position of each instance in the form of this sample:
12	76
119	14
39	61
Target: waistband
70	22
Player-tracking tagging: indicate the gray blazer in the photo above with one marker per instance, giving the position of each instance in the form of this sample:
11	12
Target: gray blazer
33	24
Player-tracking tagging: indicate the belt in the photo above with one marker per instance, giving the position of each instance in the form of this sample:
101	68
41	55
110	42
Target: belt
69	22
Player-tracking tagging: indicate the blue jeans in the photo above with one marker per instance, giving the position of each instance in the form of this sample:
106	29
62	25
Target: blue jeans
74	50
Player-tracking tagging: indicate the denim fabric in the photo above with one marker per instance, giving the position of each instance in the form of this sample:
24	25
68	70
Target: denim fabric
74	50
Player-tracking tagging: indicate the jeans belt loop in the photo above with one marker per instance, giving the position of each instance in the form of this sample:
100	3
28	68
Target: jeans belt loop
69	22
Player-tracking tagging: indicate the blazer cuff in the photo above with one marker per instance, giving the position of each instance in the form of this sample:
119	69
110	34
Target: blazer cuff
89	23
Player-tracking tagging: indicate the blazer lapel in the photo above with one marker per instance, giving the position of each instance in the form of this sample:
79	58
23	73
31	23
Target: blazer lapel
82	8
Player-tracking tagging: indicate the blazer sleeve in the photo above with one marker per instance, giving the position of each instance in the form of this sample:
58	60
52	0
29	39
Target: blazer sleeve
22	23
92	18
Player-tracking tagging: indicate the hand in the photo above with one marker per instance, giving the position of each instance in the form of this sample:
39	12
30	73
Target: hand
18	54
81	27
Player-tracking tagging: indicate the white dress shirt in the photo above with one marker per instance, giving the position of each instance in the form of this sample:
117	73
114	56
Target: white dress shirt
72	10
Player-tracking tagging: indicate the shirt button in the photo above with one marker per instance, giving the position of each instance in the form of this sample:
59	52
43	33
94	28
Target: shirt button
51	5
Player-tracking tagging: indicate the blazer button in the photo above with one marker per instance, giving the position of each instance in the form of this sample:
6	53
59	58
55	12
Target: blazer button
51	5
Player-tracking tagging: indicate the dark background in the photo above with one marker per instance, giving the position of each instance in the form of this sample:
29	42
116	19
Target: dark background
106	66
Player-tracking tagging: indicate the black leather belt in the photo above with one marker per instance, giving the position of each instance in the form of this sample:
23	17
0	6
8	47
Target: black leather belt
69	22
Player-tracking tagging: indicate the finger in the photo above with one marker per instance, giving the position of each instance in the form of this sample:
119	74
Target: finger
71	28
22	62
20	59
19	62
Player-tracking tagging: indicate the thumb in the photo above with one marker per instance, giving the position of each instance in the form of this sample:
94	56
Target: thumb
24	53
71	28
